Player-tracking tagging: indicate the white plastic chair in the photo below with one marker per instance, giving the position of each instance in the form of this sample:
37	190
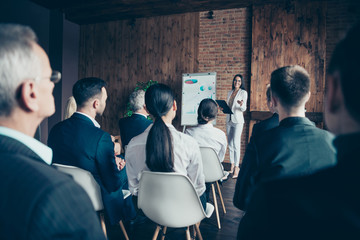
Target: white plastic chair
86	180
213	172
170	200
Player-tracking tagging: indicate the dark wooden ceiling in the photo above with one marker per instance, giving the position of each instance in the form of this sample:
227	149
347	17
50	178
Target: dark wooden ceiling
93	11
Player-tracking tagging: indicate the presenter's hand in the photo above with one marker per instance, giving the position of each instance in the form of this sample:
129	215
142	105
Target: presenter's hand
241	102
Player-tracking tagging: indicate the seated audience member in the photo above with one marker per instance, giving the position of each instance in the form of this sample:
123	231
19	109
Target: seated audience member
70	107
241	195
324	205
79	141
137	122
37	201
205	133
292	148
161	147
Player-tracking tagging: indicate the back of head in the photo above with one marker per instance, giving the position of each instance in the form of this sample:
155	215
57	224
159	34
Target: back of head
17	63
137	100
86	89
207	111
290	85
70	107
346	61
159	100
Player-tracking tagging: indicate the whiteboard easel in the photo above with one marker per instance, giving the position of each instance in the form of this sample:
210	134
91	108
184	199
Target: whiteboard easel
195	87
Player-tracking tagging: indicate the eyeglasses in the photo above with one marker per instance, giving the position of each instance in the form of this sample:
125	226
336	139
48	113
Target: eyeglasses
55	77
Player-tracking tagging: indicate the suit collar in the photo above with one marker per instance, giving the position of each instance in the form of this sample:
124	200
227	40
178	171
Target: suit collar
13	146
83	117
291	121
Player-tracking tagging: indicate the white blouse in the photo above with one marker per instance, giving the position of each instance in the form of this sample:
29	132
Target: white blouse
187	159
208	136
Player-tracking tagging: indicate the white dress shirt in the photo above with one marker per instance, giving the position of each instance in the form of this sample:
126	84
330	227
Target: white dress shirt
187	159
43	151
208	136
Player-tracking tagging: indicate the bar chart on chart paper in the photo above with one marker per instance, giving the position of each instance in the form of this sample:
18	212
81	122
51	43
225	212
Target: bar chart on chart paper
196	87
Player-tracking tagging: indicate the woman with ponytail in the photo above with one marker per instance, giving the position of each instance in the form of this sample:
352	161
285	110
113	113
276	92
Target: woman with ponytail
161	148
205	133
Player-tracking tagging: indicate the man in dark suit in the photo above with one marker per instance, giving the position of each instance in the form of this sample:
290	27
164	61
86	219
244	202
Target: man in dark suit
137	122
37	201
324	205
242	188
79	141
292	148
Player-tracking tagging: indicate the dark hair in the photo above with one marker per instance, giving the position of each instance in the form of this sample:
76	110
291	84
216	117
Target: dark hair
87	88
290	84
346	60
207	111
159	100
242	86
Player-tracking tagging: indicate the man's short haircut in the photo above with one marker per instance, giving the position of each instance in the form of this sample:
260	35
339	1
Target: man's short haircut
268	93
346	61
86	89
290	84
137	100
18	62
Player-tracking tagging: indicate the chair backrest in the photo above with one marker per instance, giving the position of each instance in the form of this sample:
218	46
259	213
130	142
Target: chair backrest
86	180
212	167
169	199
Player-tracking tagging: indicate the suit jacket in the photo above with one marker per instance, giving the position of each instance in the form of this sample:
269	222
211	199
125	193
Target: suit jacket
38	202
324	205
131	127
242	188
296	147
237	116
77	142
265	125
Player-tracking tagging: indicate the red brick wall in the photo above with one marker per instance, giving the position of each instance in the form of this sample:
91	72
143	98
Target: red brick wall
225	48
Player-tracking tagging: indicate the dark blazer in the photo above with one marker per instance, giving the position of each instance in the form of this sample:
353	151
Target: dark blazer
38	202
243	182
296	147
265	125
77	142
324	205
131	127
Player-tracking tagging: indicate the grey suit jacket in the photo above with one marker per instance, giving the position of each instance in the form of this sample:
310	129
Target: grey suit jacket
38	202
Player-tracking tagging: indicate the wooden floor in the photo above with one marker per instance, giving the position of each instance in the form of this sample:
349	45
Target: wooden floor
208	227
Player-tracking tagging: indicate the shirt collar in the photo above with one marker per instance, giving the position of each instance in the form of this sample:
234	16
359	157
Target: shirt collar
92	119
43	151
141	114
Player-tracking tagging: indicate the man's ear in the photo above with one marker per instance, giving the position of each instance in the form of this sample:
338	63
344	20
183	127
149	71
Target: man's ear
274	101
96	103
334	97
28	96
174	106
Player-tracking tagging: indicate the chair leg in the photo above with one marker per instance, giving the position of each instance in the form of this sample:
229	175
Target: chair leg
123	230
102	221
197	227
216	206
156	232
188	237
221	198
164	232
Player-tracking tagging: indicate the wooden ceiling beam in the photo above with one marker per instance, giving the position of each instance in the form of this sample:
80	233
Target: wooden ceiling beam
93	11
